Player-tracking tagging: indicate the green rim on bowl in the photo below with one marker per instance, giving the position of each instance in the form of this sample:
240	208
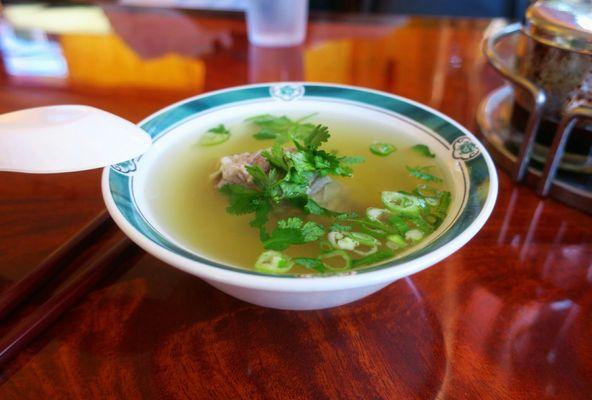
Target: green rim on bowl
457	140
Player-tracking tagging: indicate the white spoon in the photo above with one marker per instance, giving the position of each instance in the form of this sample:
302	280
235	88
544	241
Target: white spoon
67	138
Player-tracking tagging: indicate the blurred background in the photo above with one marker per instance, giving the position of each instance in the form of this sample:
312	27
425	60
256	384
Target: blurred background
149	53
466	8
169	49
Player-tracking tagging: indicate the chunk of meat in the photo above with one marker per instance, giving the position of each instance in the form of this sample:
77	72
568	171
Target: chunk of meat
324	190
233	168
328	193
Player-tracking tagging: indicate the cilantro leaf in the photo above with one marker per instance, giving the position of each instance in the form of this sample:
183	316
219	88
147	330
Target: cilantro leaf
423	150
301	161
214	136
261	119
276	157
312	231
293	222
318	136
261	215
260	179
329	164
347	216
421	173
280	128
242	199
219	130
265	135
291	190
293	231
312	207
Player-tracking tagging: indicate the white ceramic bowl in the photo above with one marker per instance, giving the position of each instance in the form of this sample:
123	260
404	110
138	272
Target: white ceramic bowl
469	167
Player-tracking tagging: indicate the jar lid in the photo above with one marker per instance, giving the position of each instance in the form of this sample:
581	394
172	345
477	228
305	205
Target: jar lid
566	24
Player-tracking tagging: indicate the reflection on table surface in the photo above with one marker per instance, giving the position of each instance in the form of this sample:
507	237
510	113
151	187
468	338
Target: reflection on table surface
508	316
525	314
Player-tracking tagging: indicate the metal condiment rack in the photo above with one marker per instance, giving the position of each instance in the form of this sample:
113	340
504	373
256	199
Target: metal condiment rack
518	166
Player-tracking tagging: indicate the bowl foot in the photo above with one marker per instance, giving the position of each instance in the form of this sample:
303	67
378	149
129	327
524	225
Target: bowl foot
298	300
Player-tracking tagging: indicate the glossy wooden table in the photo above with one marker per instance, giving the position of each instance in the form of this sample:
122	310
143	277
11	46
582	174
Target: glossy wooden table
509	316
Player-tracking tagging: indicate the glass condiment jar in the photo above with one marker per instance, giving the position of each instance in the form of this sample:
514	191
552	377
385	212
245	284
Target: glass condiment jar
556	55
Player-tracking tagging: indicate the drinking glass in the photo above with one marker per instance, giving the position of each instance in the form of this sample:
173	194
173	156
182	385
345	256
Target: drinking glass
277	23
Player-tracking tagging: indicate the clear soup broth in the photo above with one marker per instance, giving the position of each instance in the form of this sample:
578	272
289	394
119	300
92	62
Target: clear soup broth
193	211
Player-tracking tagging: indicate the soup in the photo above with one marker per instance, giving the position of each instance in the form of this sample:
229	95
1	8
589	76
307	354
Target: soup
300	195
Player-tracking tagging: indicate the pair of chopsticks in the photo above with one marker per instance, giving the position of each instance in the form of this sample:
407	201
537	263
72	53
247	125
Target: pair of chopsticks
90	271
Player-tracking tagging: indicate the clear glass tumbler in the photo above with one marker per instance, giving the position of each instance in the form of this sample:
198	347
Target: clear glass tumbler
277	23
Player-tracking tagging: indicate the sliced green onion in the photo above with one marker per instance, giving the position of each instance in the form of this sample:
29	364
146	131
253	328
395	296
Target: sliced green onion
432	201
374	214
438	203
374	230
273	262
424	190
325	245
421	224
339	240
347	244
351	241
371	250
445	200
439	211
363	238
431	219
402	203
379	256
347	261
399	223
414	235
310	263
395	242
333	237
214	136
382	149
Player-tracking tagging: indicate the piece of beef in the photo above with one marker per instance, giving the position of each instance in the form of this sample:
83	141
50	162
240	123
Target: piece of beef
328	193
324	190
233	168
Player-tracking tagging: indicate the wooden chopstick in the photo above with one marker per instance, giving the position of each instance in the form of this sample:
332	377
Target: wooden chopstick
22	289
91	272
